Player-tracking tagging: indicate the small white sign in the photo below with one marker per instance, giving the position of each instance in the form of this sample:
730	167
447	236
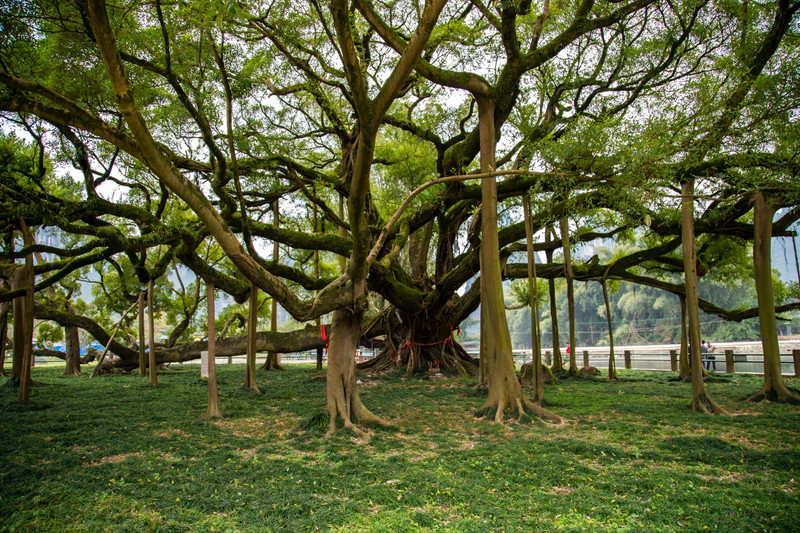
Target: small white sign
204	364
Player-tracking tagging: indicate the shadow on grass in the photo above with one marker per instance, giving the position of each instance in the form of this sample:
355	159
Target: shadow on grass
716	451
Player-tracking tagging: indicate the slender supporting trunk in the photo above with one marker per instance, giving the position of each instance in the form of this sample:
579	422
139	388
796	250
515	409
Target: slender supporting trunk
213	410
252	326
151	332
612	364
533	291
774	388
142	353
558	364
700	399
110	340
684	362
505	390
565	241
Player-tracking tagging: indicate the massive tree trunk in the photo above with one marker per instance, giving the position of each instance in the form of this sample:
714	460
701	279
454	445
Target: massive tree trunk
701	401
568	276
774	388
252	328
504	389
212	410
416	343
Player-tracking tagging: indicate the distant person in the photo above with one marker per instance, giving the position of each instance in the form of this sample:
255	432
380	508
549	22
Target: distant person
704	355
712	359
567	349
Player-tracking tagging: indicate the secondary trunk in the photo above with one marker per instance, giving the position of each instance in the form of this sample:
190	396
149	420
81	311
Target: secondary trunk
212	410
774	388
701	401
252	327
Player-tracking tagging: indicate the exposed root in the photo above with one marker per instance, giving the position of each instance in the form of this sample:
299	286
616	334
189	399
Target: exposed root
704	404
777	396
543	414
524	409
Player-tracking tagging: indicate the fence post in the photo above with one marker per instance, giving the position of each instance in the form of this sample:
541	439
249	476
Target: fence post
547	357
730	366
796	358
627	354
585	358
673	360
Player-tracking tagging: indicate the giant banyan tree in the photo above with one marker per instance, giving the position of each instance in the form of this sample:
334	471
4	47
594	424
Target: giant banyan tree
151	141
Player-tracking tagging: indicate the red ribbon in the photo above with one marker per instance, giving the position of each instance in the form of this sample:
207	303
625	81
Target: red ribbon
324	337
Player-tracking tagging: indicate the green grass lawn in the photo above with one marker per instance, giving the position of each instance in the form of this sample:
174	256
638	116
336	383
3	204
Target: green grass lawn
114	454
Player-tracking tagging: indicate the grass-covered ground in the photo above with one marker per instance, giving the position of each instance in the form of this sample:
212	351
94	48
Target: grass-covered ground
114	454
